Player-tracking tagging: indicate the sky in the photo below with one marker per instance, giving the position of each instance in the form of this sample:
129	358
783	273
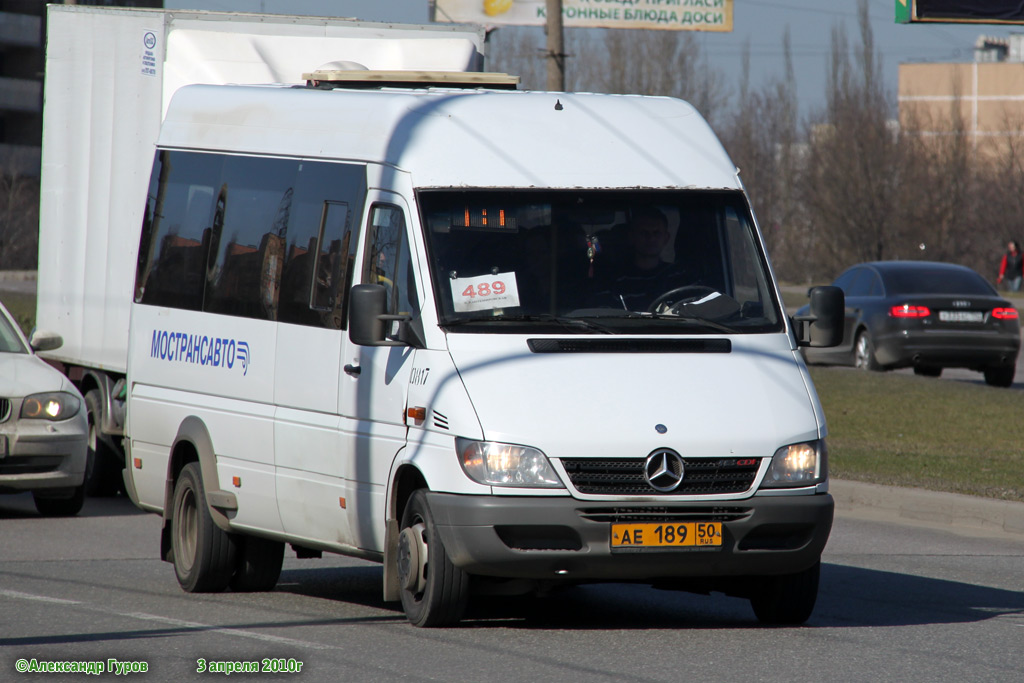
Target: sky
761	23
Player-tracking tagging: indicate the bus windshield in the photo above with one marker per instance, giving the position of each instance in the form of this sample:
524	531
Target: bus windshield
662	262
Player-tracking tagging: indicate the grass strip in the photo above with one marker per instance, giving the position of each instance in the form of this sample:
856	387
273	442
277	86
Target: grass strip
904	430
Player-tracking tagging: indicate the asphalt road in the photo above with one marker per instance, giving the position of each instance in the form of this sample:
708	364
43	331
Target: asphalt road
897	602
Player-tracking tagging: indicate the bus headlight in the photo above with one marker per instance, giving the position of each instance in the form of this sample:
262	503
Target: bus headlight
800	464
503	464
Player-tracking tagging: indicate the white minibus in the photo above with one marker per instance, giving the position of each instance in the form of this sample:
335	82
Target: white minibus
498	340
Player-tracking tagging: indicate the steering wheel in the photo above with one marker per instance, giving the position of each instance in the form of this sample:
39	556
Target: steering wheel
681	295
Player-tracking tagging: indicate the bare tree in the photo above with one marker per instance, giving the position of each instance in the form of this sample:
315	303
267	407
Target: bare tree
618	61
655	63
853	176
762	139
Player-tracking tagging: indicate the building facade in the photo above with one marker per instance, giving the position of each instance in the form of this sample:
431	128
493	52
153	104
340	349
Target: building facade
983	99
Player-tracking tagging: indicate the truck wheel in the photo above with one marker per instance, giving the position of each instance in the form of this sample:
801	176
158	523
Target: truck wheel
259	564
60	507
434	591
103	473
1000	376
788	599
204	554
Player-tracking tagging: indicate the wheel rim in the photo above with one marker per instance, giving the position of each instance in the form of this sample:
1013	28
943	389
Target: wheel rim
91	441
412	559
186	524
861	359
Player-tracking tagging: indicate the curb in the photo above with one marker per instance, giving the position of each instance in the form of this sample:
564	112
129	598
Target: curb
932	508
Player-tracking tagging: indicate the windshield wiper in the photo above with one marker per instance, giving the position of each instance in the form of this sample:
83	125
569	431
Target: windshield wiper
691	320
537	318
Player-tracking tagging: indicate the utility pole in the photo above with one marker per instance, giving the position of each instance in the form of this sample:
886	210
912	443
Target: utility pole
555	46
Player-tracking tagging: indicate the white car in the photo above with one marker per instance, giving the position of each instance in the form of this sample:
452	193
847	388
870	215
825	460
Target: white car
43	425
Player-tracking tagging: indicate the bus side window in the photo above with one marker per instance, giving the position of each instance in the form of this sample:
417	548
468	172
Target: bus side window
320	254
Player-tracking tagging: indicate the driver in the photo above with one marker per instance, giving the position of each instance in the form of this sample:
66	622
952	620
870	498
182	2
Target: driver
642	276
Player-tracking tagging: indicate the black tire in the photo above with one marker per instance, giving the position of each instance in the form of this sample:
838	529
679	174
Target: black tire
434	591
103	476
60	507
204	554
928	370
788	599
259	564
864	353
1001	376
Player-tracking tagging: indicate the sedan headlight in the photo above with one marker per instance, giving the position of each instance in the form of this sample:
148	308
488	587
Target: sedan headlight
801	464
503	464
53	405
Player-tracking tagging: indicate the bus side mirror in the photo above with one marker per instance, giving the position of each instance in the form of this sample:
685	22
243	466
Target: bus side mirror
368	318
823	325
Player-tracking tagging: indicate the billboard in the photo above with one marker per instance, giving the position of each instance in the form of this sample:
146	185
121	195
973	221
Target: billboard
671	15
960	11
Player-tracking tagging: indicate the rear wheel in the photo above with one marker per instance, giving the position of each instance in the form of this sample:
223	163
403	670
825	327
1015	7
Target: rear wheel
103	474
788	599
204	554
928	370
259	564
1001	376
864	353
64	506
434	591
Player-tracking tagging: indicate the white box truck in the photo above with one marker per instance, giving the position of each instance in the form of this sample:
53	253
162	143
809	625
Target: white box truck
496	340
110	74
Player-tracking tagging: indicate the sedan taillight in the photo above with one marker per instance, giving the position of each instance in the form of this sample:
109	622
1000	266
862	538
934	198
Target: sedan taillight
1005	313
908	311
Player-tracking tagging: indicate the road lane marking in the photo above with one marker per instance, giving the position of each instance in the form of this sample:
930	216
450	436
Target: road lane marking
37	598
178	623
197	626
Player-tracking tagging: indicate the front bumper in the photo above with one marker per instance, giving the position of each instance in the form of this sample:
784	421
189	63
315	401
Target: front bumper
37	454
567	539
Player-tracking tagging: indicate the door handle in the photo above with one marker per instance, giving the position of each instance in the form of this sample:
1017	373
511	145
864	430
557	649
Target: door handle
353	370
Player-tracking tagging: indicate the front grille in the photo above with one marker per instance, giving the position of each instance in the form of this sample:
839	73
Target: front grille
702	476
31	464
5	409
670	515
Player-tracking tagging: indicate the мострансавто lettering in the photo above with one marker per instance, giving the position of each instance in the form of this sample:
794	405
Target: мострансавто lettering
200	349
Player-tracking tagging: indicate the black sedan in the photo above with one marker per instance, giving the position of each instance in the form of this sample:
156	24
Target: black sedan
924	315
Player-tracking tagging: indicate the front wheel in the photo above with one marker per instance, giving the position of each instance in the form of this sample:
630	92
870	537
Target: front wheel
204	554
1001	376
434	591
864	353
788	599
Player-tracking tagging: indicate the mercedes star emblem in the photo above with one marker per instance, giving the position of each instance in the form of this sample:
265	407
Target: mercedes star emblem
664	470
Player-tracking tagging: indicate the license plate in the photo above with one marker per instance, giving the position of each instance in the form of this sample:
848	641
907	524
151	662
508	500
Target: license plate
961	316
660	535
3	445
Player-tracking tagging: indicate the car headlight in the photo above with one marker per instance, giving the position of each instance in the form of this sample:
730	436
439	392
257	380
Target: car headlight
800	464
53	405
503	464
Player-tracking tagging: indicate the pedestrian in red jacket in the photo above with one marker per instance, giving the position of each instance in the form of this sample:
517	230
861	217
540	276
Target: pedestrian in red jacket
1011	270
